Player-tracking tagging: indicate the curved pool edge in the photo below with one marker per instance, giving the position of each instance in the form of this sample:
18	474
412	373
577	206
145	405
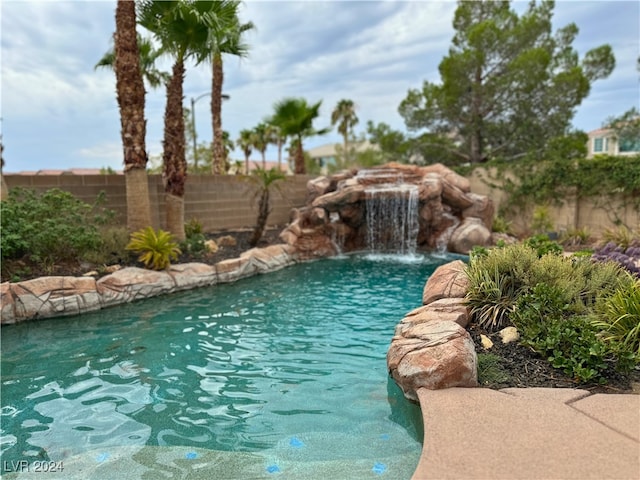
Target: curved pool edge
61	296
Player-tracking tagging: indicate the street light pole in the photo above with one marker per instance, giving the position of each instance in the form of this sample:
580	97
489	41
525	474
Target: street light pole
193	122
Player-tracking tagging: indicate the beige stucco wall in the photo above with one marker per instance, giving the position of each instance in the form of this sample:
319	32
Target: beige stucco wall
594	214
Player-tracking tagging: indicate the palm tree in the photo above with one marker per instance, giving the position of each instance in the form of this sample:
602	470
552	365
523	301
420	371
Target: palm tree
344	114
246	142
225	37
295	118
148	56
181	27
265	180
263	136
278	139
130	91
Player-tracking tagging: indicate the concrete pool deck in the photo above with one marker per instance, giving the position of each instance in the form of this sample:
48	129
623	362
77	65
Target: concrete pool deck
529	433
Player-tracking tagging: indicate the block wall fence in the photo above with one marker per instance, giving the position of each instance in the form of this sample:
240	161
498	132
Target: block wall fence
226	201
219	202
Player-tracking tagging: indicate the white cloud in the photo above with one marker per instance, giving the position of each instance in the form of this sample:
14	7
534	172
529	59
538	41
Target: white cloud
58	112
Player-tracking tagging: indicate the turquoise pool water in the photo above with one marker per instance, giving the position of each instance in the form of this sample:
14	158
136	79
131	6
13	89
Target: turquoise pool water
282	375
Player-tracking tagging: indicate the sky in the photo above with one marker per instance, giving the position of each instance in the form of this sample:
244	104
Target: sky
59	112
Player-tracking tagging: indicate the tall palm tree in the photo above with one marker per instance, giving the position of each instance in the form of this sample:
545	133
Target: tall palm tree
130	91
295	119
225	37
148	56
344	114
181	27
246	142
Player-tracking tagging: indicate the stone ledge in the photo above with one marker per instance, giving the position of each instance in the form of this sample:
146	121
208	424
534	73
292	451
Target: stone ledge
49	297
431	347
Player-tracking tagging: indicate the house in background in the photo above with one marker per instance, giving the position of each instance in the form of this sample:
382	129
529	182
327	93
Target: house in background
604	141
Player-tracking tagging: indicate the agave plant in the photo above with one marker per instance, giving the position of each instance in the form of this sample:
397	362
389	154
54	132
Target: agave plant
156	249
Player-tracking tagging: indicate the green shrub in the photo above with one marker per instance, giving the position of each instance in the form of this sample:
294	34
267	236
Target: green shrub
619	320
156	249
496	279
543	245
501	225
548	323
541	221
194	241
50	228
113	247
574	237
621	236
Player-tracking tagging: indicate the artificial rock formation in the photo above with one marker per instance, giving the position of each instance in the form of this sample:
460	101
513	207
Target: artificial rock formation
431	347
48	297
339	212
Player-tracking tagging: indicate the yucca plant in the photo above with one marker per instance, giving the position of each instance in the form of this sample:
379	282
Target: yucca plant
156	249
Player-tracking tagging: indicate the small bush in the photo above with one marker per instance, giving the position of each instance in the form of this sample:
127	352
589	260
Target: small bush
574	237
501	225
619	320
194	241
156	249
541	221
496	279
543	245
50	228
620	236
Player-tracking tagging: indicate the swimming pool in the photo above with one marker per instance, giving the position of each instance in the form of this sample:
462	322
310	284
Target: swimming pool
279	375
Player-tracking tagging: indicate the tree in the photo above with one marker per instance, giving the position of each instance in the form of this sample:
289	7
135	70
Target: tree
181	27
225	37
246	141
130	92
344	115
148	56
393	144
264	134
265	180
508	84
295	119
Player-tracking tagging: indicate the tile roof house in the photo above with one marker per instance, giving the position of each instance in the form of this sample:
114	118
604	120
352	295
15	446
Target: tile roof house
604	141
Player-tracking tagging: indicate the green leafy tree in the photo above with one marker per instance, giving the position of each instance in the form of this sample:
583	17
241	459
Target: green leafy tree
264	134
508	83
344	116
294	117
393	144
130	92
265	180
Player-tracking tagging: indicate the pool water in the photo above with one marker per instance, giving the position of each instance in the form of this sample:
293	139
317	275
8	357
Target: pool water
282	375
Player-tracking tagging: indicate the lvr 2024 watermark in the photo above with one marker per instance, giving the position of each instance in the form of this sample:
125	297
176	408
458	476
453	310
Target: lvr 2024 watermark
40	466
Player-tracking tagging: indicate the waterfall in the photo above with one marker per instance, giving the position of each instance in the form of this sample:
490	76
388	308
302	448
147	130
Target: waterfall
392	218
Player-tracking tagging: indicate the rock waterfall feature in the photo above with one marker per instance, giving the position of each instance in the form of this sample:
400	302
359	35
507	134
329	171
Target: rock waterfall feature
394	208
